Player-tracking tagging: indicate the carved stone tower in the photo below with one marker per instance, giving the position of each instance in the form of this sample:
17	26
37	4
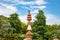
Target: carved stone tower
29	29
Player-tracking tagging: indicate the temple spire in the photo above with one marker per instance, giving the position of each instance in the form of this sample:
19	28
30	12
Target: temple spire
29	29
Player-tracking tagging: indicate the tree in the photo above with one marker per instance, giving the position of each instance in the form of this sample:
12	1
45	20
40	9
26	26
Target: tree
15	23
5	26
40	18
24	27
39	24
12	27
52	31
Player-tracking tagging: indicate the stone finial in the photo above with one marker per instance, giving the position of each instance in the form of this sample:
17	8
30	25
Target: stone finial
29	16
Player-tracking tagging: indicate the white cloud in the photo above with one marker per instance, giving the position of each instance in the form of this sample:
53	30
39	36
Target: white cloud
34	12
38	2
14	1
39	7
25	7
52	19
6	9
23	18
22	2
34	7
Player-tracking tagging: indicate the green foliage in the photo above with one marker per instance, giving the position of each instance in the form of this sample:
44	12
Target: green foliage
39	25
40	18
24	27
52	31
13	29
43	31
5	27
15	23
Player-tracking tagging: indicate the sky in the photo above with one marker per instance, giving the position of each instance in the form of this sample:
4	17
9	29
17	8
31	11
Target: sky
51	9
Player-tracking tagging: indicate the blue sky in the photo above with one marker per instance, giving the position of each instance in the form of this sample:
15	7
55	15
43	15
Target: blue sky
51	9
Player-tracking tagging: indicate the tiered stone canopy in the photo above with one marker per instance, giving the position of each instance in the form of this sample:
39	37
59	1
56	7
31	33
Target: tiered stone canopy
29	29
